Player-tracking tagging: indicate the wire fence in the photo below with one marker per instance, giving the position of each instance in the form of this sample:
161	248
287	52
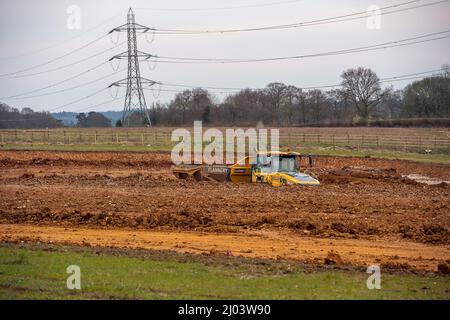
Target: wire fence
162	139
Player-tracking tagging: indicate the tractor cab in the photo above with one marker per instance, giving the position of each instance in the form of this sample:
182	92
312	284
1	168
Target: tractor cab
281	168
268	162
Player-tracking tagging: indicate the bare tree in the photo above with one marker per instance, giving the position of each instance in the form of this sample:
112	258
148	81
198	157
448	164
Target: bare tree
181	102
290	106
362	87
275	93
317	103
392	104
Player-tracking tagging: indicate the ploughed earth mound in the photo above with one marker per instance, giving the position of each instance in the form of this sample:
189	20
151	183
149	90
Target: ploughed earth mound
360	175
80	159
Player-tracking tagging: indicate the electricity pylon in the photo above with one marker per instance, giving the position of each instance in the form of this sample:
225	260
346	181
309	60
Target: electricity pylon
134	98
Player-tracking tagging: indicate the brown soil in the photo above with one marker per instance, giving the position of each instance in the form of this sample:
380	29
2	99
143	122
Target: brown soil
77	159
402	167
360	198
266	245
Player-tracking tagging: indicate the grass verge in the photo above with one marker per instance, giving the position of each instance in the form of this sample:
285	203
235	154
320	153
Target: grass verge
381	154
40	273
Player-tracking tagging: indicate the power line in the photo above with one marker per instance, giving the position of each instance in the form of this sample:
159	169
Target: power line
402	79
100	104
223	8
64	66
78	100
177	91
54	59
56	83
303	88
71	88
317	87
382	80
274	27
340	18
391	44
221	31
410	76
389	79
67	65
87	31
397	43
203	87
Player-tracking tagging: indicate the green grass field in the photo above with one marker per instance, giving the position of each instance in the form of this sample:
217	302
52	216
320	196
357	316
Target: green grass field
36	272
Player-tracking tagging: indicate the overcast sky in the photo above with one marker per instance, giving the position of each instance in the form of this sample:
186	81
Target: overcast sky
29	26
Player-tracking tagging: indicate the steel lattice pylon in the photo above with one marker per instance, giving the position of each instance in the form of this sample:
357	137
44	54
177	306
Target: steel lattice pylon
134	98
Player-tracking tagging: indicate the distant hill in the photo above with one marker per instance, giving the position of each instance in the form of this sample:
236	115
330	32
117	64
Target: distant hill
69	118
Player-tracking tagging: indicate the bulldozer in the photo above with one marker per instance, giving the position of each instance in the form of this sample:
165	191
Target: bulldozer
276	168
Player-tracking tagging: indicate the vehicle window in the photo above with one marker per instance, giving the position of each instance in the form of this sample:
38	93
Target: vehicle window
265	160
287	164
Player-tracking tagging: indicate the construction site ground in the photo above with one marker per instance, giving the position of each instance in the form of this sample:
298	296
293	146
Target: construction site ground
367	211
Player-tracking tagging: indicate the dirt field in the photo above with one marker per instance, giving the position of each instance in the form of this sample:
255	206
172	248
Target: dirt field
365	208
391	255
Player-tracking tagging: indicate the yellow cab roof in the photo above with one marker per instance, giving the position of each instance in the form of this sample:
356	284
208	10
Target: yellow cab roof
280	153
267	153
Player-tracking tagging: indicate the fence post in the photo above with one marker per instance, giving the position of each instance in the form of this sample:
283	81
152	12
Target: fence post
142	138
378	142
68	138
334	143
3	139
117	138
95	137
64	134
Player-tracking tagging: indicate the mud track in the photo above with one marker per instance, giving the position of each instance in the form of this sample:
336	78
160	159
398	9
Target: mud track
394	256
360	198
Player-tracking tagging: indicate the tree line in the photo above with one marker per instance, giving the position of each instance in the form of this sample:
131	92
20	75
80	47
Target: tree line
359	101
11	118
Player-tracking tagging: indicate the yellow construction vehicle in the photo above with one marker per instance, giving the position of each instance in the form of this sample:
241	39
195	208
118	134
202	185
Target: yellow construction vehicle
276	168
